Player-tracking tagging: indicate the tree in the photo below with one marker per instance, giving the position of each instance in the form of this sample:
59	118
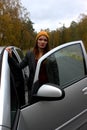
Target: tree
15	26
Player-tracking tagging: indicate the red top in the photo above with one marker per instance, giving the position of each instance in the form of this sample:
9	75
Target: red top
43	74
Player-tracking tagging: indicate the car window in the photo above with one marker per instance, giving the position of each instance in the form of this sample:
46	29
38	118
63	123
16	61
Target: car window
20	53
65	66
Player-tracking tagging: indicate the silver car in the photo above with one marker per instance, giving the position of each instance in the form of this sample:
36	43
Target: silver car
59	104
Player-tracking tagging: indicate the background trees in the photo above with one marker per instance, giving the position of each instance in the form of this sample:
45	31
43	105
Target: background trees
16	28
76	31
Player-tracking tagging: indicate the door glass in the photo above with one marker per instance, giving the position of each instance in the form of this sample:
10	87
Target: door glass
20	53
65	66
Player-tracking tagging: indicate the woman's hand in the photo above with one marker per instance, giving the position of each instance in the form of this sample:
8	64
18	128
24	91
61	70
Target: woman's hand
9	50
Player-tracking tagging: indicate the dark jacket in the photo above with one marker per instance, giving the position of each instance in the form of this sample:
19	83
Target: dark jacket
29	60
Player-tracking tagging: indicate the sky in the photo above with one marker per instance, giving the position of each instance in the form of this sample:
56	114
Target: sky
54	14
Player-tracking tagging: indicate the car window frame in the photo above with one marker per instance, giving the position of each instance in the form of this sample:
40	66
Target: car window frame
36	77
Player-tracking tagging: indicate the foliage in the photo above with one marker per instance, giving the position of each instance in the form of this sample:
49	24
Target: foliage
76	31
16	28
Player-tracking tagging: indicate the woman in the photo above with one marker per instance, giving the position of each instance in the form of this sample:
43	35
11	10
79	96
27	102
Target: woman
31	57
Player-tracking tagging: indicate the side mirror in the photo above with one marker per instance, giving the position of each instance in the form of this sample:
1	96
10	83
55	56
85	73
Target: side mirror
49	92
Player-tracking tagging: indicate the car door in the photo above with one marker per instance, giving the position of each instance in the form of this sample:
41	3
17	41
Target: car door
19	54
67	70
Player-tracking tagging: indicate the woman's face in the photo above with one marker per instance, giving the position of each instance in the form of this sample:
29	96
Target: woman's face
42	42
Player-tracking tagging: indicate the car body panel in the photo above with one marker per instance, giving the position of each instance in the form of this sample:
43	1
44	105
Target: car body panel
4	128
76	122
51	115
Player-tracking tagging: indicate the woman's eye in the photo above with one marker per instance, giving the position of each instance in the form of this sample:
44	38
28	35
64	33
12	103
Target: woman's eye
42	39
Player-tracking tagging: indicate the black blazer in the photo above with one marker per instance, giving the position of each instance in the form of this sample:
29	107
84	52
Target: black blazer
29	60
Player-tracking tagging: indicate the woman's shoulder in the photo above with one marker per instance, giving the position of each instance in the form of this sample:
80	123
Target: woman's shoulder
31	58
29	53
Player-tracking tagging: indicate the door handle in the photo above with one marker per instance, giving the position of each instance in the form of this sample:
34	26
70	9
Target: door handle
84	90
